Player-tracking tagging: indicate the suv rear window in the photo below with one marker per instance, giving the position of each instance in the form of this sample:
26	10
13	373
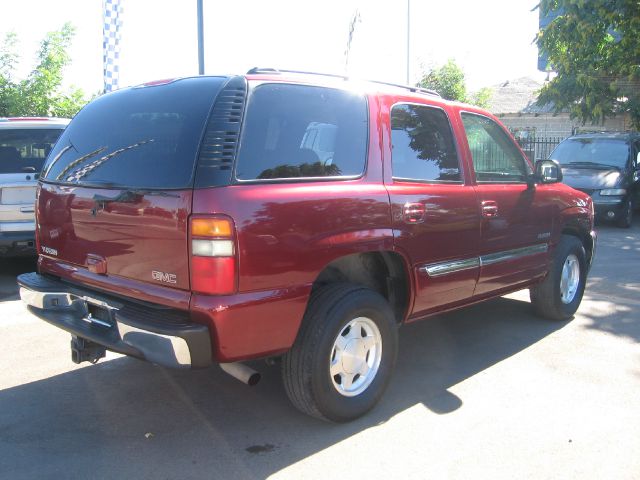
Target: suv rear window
24	149
144	137
296	131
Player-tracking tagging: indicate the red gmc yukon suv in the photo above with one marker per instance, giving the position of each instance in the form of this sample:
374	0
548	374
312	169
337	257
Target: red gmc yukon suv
295	216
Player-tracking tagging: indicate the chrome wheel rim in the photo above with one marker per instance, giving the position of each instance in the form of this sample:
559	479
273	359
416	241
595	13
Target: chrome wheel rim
570	279
355	357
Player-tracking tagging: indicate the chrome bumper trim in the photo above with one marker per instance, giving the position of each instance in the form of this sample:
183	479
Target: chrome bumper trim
167	350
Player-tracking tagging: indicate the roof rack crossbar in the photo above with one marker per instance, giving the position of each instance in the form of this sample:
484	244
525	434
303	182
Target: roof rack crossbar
411	88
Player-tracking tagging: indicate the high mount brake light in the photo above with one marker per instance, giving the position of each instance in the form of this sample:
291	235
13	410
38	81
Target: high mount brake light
26	119
155	83
213	255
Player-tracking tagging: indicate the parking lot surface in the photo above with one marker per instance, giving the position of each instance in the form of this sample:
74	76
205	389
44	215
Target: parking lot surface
490	391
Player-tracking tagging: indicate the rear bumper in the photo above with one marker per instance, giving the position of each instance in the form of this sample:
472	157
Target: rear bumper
17	243
159	335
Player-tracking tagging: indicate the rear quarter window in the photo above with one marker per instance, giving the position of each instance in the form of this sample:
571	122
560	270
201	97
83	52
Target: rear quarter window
296	131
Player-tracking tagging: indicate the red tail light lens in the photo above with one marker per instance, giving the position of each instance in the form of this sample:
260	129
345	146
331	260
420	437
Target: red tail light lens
216	276
213	255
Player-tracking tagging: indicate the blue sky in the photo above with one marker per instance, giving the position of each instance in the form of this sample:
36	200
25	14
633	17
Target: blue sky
490	39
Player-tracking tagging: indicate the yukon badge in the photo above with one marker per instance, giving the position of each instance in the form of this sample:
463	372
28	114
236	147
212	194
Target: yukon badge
164	277
49	251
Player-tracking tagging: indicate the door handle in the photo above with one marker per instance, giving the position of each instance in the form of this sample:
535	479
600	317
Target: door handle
489	208
413	213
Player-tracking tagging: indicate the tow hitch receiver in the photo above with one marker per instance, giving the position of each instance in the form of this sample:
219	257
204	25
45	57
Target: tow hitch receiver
82	350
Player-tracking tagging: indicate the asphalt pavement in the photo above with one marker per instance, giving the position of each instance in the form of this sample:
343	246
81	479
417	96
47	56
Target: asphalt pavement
490	391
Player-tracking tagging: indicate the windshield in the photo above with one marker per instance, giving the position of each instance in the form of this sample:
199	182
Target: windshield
143	137
596	151
23	150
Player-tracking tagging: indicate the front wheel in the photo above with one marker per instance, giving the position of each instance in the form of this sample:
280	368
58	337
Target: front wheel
559	295
344	355
626	215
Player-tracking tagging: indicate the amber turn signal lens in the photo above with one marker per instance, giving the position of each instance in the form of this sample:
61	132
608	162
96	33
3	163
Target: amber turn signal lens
211	227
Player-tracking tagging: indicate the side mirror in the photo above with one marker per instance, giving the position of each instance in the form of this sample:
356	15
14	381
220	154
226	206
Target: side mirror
548	171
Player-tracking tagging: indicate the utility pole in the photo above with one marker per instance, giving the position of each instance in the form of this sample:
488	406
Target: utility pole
200	39
408	38
352	28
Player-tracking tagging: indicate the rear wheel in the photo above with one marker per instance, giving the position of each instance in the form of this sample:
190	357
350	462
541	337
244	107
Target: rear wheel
344	355
559	295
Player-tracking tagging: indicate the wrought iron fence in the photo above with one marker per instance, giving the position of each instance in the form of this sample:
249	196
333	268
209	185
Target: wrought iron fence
538	148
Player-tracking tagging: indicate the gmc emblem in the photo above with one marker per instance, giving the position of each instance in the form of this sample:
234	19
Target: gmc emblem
164	277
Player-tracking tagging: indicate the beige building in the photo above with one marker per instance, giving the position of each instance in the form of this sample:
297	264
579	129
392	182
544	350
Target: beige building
513	102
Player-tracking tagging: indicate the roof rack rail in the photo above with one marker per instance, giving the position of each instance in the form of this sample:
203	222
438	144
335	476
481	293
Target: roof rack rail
413	89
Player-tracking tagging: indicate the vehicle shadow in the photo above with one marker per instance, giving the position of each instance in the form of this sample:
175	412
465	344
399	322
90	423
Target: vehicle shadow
129	419
10	268
613	289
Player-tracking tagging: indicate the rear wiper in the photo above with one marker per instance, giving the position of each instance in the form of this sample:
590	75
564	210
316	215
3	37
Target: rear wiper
77	161
79	173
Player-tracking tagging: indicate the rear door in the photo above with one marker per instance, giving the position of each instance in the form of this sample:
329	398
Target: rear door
117	188
436	222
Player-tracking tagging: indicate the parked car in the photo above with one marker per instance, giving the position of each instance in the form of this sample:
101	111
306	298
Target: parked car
25	142
607	167
194	221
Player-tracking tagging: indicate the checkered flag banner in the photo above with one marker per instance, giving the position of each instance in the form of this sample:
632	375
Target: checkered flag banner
112	21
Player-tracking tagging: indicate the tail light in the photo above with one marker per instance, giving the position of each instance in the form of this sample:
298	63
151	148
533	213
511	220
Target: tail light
37	232
213	255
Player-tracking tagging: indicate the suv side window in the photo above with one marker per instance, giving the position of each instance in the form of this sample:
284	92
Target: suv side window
423	145
495	157
297	131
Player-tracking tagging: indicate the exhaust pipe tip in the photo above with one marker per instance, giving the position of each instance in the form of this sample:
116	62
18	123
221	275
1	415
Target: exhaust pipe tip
242	372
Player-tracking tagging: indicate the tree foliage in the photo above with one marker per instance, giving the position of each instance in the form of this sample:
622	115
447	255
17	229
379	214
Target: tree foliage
448	81
594	47
40	94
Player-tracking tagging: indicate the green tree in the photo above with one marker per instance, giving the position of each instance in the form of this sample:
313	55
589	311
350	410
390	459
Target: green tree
40	94
448	81
594	47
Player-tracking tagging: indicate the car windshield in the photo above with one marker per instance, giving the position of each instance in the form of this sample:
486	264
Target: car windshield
23	150
596	152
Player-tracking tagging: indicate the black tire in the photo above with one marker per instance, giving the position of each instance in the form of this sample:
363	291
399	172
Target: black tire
546	297
306	367
626	215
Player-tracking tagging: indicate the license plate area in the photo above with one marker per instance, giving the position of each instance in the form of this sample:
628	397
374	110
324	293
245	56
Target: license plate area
99	315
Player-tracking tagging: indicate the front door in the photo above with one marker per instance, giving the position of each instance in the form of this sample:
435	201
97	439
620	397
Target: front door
517	217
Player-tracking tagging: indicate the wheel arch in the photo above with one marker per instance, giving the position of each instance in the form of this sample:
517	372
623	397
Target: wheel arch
385	272
577	224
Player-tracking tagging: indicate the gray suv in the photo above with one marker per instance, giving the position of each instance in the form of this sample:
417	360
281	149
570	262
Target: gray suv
24	145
